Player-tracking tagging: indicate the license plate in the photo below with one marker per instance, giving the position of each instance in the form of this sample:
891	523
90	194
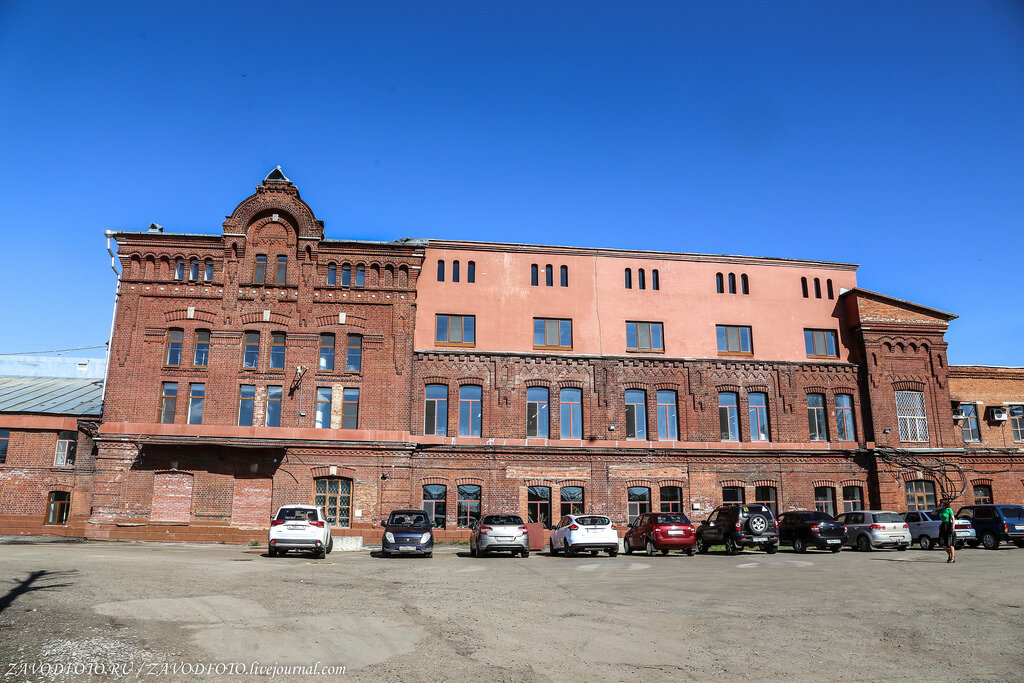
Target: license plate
832	540
502	538
294	528
895	538
759	539
407	548
676	532
1019	527
963	533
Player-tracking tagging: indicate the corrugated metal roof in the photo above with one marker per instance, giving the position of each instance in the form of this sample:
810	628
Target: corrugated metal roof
63	396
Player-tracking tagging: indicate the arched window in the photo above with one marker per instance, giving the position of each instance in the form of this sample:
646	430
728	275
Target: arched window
346	274
572	500
174	341
629	279
564	276
435	499
825	500
208	274
549	276
201	349
817	288
803	286
193	269
853	498
282	270
354	353
179	269
534	275
641	280
638	501
732	283
767	496
332	274
744	284
440	271
335	496
828	286
468	510
982	494
360	275
671	499
720	283
471	271
455	271
470	410
655	280
538	505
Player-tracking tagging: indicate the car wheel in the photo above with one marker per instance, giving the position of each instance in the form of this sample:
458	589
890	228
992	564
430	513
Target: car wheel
430	554
701	545
626	547
567	549
551	547
385	553
272	552
989	541
771	549
1019	544
524	554
650	548
902	547
321	554
730	546
926	542
863	543
664	551
472	550
613	552
689	552
799	546
757	524
330	544
836	549
593	553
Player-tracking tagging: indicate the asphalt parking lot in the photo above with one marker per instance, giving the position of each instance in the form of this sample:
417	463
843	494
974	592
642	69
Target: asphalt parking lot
164	611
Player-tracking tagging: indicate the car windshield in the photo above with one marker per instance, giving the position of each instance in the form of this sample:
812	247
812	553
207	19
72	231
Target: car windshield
593	521
887	517
1013	512
503	520
817	517
408	519
671	519
295	514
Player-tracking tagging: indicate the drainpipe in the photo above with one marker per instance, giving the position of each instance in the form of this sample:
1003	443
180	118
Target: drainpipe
113	317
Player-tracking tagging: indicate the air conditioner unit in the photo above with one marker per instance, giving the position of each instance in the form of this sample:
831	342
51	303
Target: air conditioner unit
998	414
959	414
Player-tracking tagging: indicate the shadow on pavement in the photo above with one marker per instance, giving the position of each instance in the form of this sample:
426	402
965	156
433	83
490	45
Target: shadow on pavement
29	584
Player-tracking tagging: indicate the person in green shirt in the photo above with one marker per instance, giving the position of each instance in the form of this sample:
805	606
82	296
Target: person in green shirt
947	531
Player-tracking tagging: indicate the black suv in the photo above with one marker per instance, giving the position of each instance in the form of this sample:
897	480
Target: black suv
738	527
803	528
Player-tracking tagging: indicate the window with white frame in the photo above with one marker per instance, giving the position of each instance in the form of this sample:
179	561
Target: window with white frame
911	416
67	446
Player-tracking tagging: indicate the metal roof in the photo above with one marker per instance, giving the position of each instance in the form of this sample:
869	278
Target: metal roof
63	396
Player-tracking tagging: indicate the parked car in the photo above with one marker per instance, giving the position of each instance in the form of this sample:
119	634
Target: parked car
660	531
499	532
300	527
810	528
738	527
868	529
575	533
994	524
924	529
407	532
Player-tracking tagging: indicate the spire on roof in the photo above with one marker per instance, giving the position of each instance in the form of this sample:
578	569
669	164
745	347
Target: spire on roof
278	175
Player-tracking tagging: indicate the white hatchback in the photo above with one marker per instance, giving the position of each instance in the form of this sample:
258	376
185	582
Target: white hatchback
575	533
300	527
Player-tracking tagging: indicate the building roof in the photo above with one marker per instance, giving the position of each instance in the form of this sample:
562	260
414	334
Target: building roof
900	302
52	395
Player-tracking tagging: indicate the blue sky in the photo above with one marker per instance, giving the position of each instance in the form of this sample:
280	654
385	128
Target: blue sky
885	134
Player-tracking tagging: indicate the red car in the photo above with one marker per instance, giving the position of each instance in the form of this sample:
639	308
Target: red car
664	531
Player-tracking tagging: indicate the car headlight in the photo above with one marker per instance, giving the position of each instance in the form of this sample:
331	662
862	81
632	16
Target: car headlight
425	537
388	537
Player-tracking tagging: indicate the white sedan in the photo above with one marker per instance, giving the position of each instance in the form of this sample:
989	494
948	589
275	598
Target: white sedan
300	527
575	533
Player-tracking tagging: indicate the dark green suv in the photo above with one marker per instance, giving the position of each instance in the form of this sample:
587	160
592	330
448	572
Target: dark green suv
738	527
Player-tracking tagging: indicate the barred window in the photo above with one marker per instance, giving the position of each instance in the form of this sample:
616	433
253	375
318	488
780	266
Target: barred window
911	416
1017	422
335	497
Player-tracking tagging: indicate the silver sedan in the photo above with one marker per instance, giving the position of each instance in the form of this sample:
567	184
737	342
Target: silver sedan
499	532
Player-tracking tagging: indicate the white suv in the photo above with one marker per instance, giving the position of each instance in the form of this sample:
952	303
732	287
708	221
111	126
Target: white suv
574	533
300	527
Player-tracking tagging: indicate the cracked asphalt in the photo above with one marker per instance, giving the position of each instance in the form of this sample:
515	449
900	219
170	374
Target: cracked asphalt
155	610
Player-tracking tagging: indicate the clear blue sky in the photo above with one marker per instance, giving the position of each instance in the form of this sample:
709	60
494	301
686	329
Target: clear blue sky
881	133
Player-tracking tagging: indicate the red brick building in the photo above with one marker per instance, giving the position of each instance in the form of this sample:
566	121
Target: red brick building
268	365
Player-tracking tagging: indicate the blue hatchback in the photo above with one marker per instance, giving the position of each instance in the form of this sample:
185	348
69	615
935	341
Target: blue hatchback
408	532
994	524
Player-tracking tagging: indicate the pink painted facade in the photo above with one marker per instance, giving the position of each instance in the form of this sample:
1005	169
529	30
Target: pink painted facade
599	304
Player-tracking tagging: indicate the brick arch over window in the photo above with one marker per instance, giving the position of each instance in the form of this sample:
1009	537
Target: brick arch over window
197	314
479	381
759	388
476	481
908	385
537	382
639	482
983	482
257	317
728	387
824	482
672	482
732	482
540	482
572	482
815	390
766	482
438	380
275	196
351	321
339	471
431	481
571	384
63	488
665	386
854	482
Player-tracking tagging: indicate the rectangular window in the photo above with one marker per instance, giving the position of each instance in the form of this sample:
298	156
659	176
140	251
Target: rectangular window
825	500
538	505
471	271
246	404
468	505
67	446
551	333
277	345
350	408
1017	422
733	495
360	275
636	414
729	416
911	416
326	352
435	497
671	499
470	410
259	274
572	500
435	419
982	494
816	422
844	418
196	397
758	416
5	438
571	413
323	407
821	343
335	496
668	419
644	337
354	353
282	270
57	507
251	350
971	427
734	339
273	417
168	402
638	502
346	275
201	352
853	498
174	339
457	330
537	417
920	495
767	496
